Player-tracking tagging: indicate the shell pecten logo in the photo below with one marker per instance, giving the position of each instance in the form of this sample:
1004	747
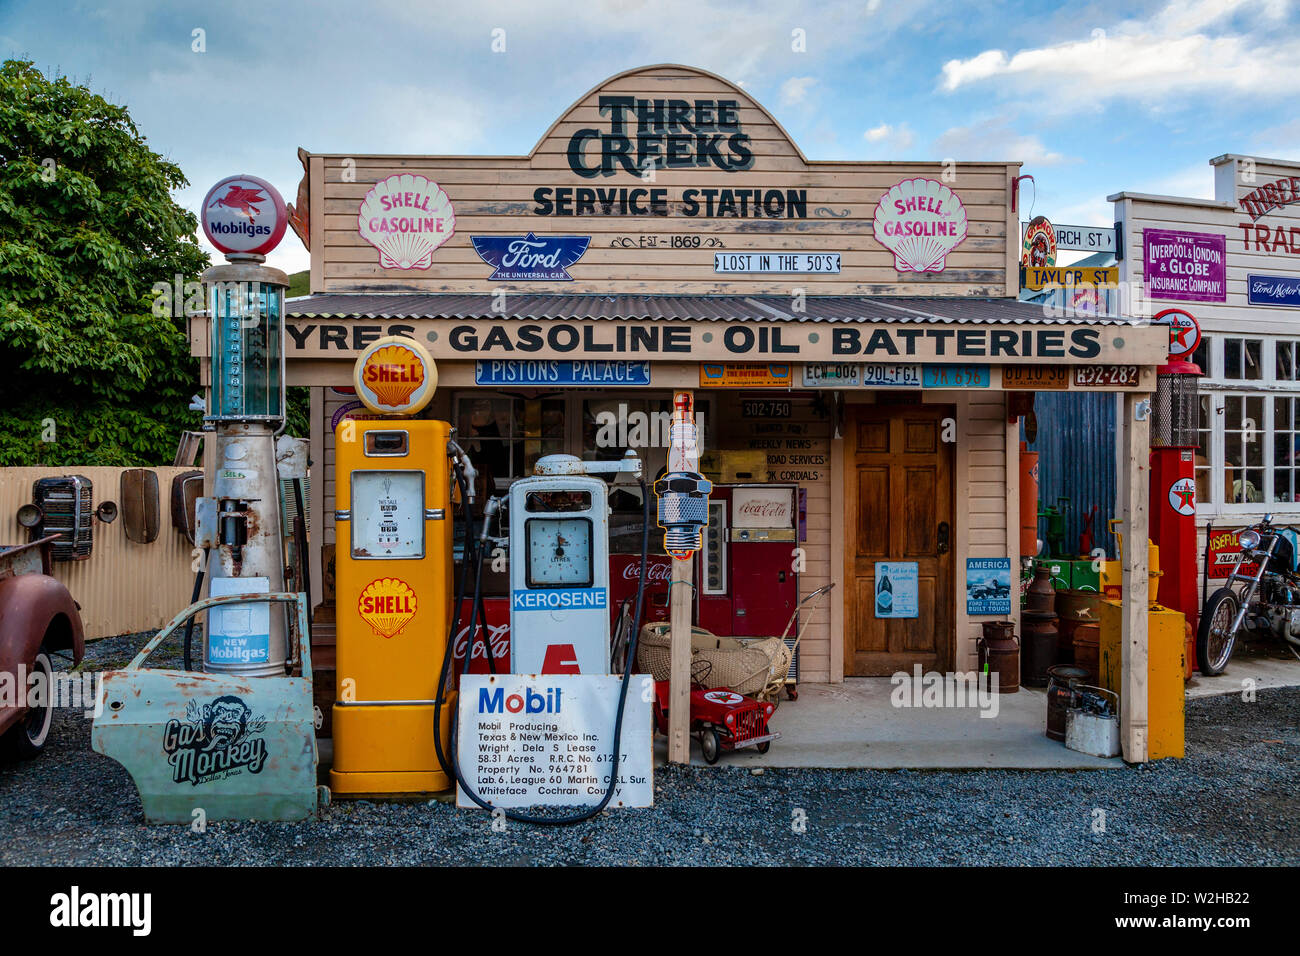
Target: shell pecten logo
395	376
393	373
387	605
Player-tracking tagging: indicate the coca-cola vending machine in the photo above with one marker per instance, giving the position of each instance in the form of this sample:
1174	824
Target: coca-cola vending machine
625	575
747	585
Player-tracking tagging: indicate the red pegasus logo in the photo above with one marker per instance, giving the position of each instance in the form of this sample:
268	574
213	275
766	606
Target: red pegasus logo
241	200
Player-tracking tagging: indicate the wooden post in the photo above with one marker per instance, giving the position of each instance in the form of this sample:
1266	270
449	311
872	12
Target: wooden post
1136	465
680	601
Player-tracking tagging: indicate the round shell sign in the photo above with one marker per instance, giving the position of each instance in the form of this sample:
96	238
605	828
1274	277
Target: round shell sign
395	376
244	215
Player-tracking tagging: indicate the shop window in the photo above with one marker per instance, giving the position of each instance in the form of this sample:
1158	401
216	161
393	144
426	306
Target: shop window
505	435
1286	449
1243	447
610	426
1248	459
1241	360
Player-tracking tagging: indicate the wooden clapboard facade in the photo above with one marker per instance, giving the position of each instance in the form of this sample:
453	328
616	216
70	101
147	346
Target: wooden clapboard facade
497	195
653	266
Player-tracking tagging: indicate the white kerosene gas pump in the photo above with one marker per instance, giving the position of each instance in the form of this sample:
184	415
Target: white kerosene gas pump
559	566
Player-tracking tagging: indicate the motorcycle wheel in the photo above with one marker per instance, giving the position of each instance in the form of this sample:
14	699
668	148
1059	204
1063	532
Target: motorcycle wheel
1214	643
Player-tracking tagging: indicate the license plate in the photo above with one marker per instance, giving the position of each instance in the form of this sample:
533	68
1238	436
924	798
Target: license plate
1102	376
1035	377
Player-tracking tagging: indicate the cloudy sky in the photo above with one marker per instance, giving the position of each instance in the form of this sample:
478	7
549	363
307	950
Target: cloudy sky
1093	97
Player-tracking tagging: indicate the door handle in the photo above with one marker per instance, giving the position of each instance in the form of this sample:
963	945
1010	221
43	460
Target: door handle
941	544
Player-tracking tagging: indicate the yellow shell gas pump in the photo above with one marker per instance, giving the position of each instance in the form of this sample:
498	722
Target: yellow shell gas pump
393	572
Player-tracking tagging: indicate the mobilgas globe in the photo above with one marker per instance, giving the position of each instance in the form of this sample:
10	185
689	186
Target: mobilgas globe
495	701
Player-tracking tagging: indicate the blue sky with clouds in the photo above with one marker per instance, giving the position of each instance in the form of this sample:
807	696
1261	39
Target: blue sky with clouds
1094	97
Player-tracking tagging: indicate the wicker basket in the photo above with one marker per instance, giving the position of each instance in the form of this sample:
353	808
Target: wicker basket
746	666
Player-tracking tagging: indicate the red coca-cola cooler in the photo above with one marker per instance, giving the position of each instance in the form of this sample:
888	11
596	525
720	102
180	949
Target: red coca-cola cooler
625	575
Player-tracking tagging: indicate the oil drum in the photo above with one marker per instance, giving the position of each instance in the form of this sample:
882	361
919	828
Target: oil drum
1087	650
1038	633
1000	653
1074	608
1061	682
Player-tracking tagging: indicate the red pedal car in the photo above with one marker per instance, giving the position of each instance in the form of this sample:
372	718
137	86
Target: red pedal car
721	719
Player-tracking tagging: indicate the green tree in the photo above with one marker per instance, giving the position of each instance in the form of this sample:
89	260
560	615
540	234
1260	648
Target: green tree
87	226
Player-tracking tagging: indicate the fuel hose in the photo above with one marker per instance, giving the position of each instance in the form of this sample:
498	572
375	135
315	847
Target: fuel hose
450	763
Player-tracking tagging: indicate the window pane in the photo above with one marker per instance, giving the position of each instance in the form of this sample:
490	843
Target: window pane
1285	361
1232	358
1203	471
1201	357
1254	369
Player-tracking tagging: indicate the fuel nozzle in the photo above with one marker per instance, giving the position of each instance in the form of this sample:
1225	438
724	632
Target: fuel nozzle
683	492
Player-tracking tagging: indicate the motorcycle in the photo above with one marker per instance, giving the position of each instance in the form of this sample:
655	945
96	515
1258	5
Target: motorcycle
1266	602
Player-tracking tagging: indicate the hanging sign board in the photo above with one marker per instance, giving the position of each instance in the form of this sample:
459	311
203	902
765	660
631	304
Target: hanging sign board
530	740
988	586
1039	249
897	589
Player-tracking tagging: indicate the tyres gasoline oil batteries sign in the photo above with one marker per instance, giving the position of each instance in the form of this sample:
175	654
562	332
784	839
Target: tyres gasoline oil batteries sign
529	740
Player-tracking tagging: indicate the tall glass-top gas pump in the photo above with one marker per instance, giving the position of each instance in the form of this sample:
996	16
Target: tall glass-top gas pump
247	410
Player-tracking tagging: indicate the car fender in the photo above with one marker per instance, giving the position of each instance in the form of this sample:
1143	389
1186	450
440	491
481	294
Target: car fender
31	607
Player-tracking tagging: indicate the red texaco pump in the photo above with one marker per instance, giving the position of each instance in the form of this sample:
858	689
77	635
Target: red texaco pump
1173	465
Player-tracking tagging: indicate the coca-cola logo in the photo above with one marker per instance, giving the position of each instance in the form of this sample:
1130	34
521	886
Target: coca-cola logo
658	573
498	636
765	509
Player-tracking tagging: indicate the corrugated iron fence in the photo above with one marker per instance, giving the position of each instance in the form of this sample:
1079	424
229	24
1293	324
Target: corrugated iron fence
123	587
1076	460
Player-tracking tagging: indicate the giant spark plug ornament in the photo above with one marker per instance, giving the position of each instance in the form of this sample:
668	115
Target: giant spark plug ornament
683	492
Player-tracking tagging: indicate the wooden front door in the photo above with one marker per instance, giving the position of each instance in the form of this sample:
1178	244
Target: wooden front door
898	508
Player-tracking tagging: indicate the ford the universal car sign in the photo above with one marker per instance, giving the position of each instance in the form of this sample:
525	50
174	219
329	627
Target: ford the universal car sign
530	258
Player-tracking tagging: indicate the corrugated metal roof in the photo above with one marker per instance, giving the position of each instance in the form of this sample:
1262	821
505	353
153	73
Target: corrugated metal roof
826	308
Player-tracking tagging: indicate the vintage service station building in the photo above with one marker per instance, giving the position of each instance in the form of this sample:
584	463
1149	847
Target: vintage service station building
850	330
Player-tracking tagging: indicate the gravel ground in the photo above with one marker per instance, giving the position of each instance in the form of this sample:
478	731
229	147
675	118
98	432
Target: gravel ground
1232	801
